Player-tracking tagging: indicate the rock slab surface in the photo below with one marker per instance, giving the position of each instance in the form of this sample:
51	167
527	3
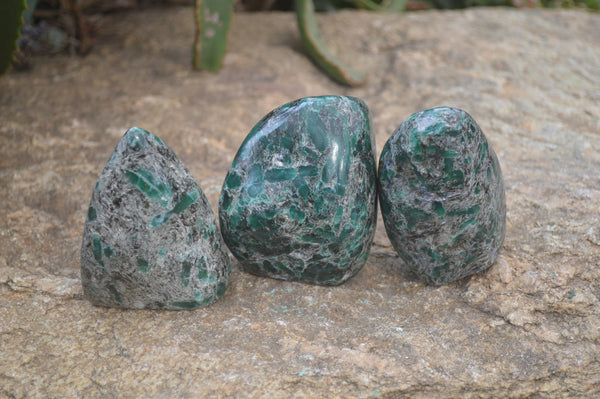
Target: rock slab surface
442	195
299	201
526	327
151	240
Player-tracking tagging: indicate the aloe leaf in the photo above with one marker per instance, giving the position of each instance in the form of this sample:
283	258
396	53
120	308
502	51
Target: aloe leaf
317	50
10	23
385	5
212	19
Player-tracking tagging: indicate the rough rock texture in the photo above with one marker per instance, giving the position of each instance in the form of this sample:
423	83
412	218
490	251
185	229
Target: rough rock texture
442	195
151	239
299	202
528	326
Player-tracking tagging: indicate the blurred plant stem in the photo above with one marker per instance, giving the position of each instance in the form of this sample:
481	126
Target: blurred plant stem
10	24
317	50
212	19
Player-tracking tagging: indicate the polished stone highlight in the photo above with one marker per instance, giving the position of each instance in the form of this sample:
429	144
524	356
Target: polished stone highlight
442	195
151	239
299	202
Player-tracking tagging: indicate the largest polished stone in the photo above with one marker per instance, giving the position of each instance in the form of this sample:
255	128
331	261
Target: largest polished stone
299	202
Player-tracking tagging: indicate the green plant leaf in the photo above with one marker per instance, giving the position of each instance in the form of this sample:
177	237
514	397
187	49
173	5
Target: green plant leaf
384	5
10	23
593	4
212	19
28	13
317	50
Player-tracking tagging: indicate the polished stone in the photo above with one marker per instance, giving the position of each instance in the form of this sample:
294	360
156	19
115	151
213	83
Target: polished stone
299	201
442	195
151	239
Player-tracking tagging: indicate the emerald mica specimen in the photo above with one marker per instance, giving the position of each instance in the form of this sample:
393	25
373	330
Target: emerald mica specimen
151	239
299	202
442	195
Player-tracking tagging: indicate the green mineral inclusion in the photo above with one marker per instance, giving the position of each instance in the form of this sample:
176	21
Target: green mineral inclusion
142	265
97	250
160	191
91	214
181	206
148	184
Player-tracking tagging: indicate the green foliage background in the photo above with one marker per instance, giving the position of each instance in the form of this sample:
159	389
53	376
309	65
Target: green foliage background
211	35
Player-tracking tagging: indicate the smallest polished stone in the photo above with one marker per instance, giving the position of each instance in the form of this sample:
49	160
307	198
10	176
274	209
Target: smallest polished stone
151	239
442	195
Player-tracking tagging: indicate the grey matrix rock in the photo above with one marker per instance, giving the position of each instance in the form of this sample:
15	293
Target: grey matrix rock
151	239
442	195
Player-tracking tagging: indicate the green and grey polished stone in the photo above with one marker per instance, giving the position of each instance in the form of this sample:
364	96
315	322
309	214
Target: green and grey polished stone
442	195
300	200
151	239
